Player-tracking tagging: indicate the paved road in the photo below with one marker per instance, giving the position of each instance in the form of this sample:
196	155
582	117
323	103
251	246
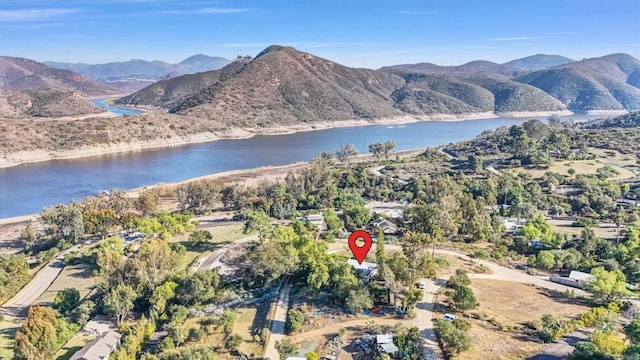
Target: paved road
18	305
279	320
213	260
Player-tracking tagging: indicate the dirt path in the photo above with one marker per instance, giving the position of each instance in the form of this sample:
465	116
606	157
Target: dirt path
213	260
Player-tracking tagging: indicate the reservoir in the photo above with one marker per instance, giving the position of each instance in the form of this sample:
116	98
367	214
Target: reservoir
26	189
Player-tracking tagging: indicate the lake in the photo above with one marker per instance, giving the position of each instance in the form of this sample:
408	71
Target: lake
116	110
26	189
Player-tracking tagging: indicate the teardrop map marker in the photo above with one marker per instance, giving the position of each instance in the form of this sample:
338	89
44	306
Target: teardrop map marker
360	252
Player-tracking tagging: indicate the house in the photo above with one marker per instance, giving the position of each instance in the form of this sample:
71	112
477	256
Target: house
386	226
384	344
367	269
512	226
581	277
99	348
317	220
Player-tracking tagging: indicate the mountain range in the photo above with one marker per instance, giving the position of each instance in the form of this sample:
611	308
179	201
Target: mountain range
135	74
283	85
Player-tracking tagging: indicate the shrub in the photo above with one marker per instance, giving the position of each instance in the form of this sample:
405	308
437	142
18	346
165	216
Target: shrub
295	319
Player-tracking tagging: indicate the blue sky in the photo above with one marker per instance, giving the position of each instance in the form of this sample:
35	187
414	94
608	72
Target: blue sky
368	33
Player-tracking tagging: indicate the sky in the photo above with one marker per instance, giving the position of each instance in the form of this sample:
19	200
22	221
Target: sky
371	33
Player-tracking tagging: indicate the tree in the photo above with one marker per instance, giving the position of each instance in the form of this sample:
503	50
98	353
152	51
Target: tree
156	260
37	339
274	258
358	300
544	260
295	319
259	221
64	221
199	352
377	150
346	152
198	288
312	355
162	294
226	321
29	237
459	279
200	236
147	202
118	302
588	351
463	299
82	314
608	285
632	330
198	196
387	147
453	339
232	342
286	348
66	299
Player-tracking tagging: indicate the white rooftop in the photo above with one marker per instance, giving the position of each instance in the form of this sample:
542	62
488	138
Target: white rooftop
384	339
581	276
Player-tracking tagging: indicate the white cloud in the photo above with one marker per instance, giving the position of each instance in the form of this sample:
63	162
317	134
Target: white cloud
26	15
516	38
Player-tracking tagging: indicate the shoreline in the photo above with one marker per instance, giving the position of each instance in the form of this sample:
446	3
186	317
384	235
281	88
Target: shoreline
247	175
36	156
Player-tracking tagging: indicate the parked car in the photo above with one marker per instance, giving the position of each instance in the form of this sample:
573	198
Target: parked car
449	317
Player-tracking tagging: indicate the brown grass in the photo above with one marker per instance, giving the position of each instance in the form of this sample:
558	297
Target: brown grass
511	304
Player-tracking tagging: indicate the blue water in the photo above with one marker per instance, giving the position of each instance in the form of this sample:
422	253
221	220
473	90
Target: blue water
116	110
28	188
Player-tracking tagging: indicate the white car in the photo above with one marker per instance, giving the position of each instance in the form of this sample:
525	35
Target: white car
449	317
421	285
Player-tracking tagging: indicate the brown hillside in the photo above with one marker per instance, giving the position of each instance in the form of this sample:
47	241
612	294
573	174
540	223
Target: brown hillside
44	103
285	86
25	74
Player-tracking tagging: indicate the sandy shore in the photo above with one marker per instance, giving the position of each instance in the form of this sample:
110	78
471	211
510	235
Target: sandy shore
26	157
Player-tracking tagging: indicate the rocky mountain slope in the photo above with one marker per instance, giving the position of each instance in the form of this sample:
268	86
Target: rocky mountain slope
167	93
606	83
44	103
284	86
23	74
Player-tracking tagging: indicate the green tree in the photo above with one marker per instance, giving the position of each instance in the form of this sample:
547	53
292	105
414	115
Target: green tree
259	221
377	150
387	147
632	330
358	300
463	299
118	302
274	258
162	294
346	152
233	341
29	237
286	348
147	202
156	260
200	236
82	314
37	339
453	340
226	321
608	285
64	221
200	352
66	299
295	319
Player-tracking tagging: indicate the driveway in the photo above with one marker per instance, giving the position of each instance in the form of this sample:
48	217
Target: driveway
278	322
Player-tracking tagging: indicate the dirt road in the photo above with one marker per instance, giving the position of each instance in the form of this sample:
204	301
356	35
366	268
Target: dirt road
213	260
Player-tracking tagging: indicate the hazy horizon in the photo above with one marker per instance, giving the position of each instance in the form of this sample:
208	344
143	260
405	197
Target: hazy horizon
371	34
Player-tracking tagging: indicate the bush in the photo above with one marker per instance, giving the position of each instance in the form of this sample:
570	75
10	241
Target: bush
295	319
66	299
453	336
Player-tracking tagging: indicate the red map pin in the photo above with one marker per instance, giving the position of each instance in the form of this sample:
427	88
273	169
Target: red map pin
360	252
